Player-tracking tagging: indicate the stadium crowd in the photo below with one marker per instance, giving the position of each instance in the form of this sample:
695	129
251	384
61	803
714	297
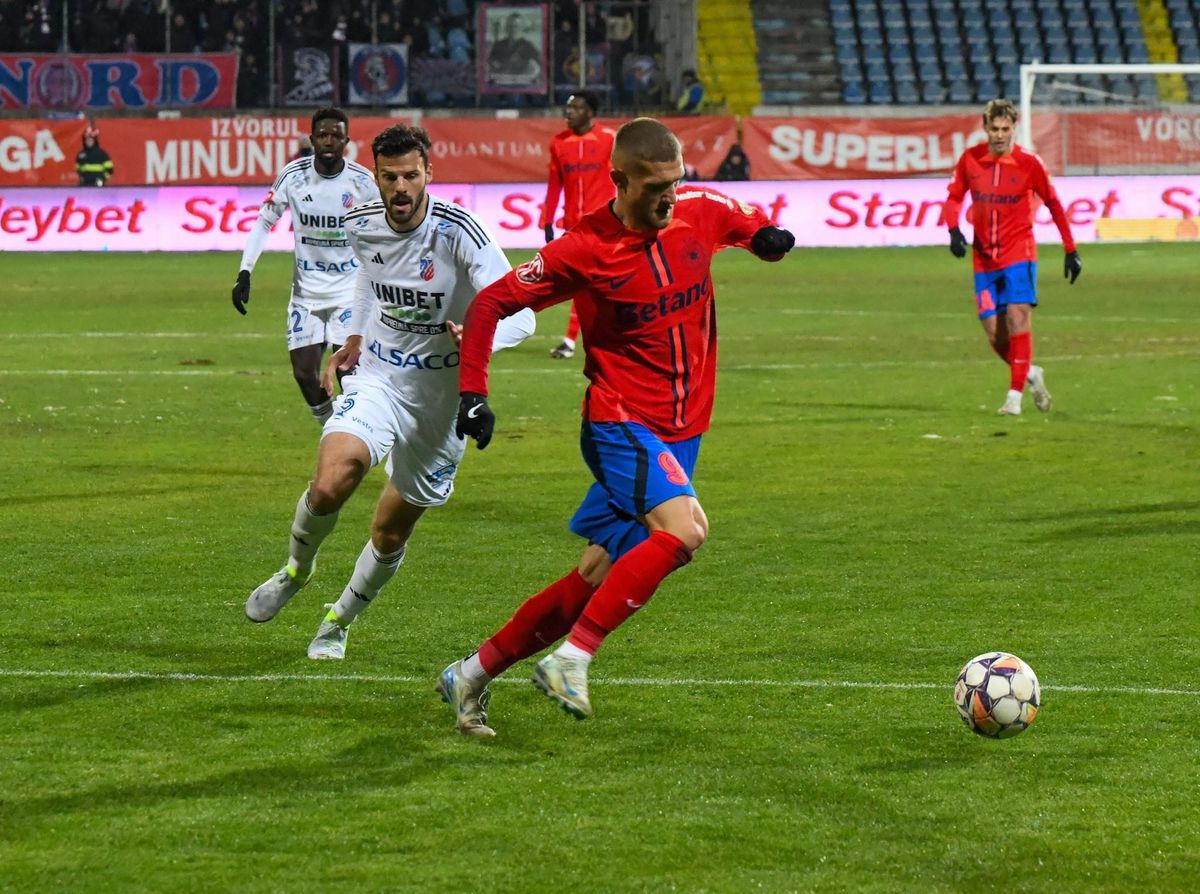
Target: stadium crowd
622	59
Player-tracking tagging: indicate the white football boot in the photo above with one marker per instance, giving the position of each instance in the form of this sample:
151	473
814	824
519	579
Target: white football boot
1037	387
470	704
565	681
1012	404
273	593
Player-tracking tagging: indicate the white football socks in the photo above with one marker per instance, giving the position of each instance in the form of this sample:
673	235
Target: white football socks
309	531
371	572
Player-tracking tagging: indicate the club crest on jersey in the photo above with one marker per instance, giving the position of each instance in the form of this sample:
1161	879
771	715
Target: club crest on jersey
427	270
347	200
531	271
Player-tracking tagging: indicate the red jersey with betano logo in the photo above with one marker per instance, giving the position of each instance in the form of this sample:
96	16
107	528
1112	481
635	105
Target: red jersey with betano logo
579	171
645	304
1005	192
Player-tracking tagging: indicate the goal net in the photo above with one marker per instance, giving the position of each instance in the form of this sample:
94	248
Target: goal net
1138	124
1099	119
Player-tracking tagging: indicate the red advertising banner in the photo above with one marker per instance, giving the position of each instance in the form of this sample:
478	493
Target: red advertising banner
830	148
39	152
251	150
1142	139
104	83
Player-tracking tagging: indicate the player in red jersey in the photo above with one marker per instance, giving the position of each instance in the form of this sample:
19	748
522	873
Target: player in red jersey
580	171
640	271
1005	182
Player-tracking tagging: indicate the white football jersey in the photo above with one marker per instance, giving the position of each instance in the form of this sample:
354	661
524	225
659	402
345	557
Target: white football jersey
410	285
324	272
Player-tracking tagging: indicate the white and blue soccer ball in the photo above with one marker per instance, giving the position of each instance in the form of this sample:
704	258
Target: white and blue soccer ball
997	695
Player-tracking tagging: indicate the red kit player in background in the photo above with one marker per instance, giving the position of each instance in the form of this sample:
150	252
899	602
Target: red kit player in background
640	272
1004	180
581	172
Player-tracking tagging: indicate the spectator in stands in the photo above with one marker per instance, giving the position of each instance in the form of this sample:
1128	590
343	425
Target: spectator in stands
691	94
735	166
183	37
93	165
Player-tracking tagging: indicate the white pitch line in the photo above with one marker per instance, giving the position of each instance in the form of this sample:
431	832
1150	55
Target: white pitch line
557	370
180	677
968	313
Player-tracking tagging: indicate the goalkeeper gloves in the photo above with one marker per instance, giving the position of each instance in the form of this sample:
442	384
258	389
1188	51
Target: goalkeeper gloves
1072	266
241	291
475	418
958	242
772	243
549	232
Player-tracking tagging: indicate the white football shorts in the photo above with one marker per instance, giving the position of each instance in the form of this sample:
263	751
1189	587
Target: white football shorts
329	325
423	454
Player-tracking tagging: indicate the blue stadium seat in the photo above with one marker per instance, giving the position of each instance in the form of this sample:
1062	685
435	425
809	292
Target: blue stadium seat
850	71
879	93
1136	53
903	72
923	34
907	93
1189	54
1110	51
933	94
900	54
853	94
876	70
926	52
847	55
960	92
929	71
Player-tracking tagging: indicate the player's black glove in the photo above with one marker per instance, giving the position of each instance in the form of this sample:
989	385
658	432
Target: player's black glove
958	243
475	418
1072	266
241	291
772	243
549	232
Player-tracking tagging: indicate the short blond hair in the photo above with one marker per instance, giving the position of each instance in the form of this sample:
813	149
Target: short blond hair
999	108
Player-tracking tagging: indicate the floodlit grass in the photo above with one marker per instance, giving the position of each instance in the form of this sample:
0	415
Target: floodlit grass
777	719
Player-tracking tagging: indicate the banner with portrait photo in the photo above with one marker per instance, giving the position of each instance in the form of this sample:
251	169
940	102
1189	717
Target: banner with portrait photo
308	76
512	43
378	74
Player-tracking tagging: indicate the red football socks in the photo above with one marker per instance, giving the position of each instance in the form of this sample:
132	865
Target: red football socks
1020	353
629	585
540	621
573	324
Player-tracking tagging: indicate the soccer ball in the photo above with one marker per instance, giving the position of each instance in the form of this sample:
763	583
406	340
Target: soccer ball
997	695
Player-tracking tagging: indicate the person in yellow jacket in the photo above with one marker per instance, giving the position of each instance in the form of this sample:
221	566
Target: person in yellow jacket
93	164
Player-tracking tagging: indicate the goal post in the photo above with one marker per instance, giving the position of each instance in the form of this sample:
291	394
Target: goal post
1117	88
1129	134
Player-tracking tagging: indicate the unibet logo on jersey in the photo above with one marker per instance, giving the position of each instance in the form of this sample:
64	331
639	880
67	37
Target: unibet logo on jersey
325	266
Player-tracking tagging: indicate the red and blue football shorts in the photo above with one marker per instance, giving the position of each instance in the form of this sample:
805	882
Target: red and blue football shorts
996	289
634	471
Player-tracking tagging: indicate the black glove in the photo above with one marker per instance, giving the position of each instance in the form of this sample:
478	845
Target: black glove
549	232
958	243
475	418
241	291
772	243
1072	266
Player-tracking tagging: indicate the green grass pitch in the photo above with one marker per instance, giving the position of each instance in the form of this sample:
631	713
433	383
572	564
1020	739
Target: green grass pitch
778	719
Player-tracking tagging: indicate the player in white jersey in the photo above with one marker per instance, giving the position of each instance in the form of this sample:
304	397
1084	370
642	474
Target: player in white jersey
320	190
421	261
